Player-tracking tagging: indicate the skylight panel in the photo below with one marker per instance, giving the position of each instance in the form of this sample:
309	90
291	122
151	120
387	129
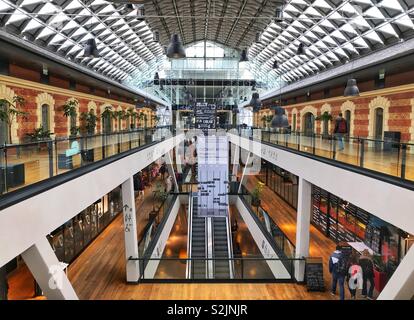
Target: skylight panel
388	29
312	12
74	4
321	4
359	42
45	33
16	17
373	36
390	4
405	21
29	2
70	25
374	12
33	24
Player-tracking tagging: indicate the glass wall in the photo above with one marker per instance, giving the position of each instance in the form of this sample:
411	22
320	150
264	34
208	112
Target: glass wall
69	240
284	183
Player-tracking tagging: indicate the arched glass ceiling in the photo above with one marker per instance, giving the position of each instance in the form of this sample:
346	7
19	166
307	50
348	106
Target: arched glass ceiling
334	31
124	42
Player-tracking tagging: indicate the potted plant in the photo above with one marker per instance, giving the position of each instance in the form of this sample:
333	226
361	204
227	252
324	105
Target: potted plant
141	117
106	117
11	110
88	122
132	116
264	119
380	274
120	115
70	111
39	134
256	194
325	118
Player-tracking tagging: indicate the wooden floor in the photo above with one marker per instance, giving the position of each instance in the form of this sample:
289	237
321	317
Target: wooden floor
99	273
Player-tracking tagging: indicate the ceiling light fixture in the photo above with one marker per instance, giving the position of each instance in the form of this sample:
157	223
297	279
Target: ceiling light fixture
175	49
141	13
156	37
301	50
243	56
275	65
351	89
90	50
279	14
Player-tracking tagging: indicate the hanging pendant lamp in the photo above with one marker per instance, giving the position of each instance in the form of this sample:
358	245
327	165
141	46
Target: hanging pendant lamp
280	119
351	89
175	49
255	102
275	65
156	79
301	50
243	56
91	50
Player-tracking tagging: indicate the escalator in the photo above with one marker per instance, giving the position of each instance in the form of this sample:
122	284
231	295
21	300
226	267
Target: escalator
209	245
196	244
221	249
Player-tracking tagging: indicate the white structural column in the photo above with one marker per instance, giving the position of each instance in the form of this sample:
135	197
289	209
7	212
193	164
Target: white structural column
170	168
130	231
246	171
401	284
302	226
48	271
236	160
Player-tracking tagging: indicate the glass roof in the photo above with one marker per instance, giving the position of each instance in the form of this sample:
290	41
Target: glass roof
333	32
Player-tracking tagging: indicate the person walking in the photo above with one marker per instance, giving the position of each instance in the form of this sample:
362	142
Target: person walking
338	267
341	128
355	277
367	266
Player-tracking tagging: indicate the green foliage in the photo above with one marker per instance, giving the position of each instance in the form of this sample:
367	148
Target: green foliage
108	113
39	134
257	191
132	116
70	107
11	110
120	114
326	116
89	121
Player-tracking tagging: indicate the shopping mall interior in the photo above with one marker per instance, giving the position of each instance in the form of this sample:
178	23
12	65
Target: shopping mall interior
197	150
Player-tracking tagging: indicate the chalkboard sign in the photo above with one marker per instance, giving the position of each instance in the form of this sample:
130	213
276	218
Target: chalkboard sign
314	274
205	116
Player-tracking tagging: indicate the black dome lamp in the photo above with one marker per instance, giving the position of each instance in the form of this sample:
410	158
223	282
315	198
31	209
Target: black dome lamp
243	56
255	102
91	50
351	89
175	50
275	65
280	119
156	78
279	14
301	50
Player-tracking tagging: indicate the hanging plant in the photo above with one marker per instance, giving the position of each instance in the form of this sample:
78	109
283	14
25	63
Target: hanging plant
107	113
70	107
10	111
257	193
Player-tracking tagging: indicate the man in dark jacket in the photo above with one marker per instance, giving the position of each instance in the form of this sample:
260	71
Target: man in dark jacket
338	267
341	128
367	274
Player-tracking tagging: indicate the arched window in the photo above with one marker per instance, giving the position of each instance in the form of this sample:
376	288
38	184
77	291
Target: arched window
45	122
379	123
294	122
309	123
348	120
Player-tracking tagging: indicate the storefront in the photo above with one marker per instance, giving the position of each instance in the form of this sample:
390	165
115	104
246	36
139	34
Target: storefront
74	236
68	241
343	222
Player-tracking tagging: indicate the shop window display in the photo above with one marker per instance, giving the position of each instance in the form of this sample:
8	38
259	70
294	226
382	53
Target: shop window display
73	237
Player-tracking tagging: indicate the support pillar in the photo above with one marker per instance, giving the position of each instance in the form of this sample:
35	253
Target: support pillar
48	271
303	226
236	160
130	231
246	171
401	284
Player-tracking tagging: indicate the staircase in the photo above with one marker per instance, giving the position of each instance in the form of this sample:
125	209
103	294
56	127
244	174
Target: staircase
221	248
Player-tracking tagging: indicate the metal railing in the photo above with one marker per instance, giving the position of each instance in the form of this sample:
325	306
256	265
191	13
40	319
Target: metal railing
246	268
27	163
386	156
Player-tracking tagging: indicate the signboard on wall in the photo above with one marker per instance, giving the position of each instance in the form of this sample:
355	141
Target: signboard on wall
205	116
